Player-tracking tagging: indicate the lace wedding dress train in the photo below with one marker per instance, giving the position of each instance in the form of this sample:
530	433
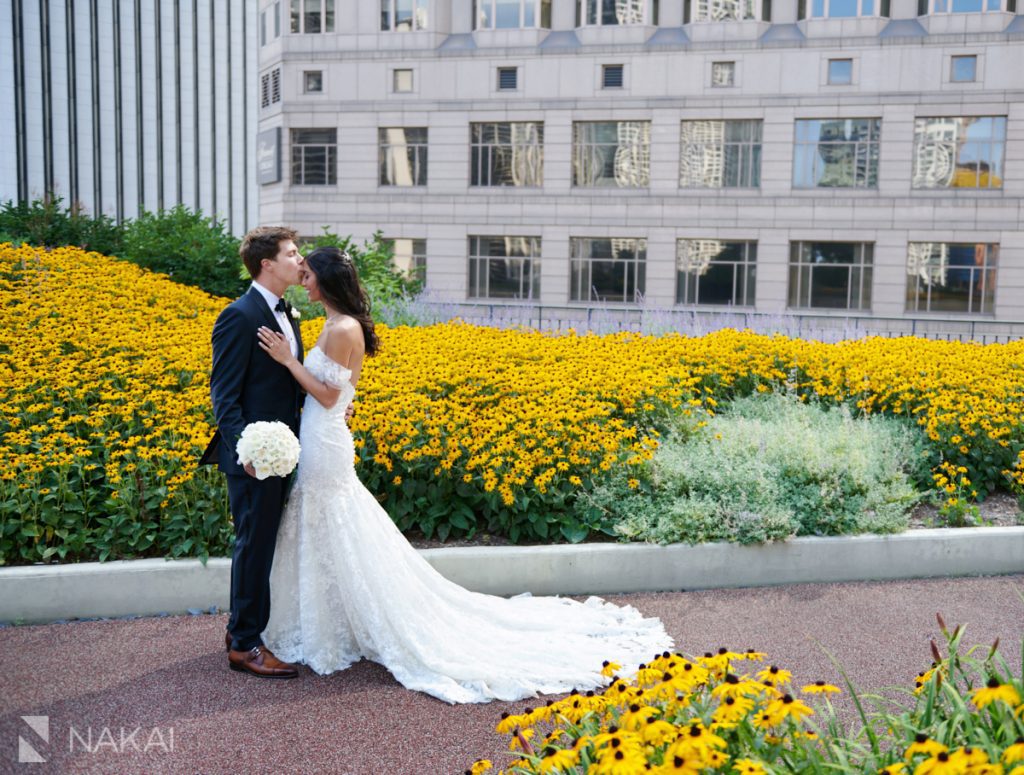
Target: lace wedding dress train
346	584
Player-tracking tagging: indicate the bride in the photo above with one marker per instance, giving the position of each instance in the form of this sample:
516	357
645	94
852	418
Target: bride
346	584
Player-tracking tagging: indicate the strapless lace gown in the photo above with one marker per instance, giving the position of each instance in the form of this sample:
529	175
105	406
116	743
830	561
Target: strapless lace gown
346	584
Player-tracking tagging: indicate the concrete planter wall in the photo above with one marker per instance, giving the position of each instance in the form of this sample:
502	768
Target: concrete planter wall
43	593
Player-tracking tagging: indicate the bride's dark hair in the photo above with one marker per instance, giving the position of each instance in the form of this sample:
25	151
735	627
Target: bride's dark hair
339	285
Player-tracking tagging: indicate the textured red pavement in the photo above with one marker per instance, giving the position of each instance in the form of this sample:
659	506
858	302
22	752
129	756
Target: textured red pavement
164	674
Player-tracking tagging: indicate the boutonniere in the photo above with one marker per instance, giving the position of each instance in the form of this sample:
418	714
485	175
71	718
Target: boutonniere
295	313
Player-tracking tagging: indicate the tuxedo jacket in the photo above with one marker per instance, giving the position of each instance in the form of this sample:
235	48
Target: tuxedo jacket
246	384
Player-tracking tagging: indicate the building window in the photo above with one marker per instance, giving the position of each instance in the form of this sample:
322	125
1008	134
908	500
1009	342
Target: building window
959	152
313	81
830	275
964	6
951	277
720	154
842	9
724	10
402	81
403	15
507	154
611	153
263	28
840	72
963	69
314	157
711	271
403	156
511	14
504	267
277	20
609	12
607	269
508	78
611	76
836	153
409	257
723	74
270	88
312	16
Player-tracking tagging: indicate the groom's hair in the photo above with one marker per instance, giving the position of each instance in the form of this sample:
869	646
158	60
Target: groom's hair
263	242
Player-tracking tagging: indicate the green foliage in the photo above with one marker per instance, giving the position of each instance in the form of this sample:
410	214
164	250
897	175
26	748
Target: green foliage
187	246
768	468
47	222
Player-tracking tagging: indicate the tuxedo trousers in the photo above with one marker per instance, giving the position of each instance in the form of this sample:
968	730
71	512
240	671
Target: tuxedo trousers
256	508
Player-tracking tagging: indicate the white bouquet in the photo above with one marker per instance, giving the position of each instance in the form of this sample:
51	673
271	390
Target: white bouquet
270	447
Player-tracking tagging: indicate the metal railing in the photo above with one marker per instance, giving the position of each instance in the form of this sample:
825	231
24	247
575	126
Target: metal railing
828	327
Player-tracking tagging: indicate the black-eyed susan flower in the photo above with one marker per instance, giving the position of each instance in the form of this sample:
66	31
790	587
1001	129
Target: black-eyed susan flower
924	745
896	768
776	675
787	707
940	764
994	691
820	687
749	767
560	760
608	668
1014	753
480	766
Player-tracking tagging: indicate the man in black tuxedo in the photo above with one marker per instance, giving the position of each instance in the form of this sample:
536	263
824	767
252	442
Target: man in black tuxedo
247	385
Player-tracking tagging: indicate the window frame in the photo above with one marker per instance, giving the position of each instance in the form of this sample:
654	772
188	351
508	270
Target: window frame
300	14
418	21
541	15
417	268
600	8
418	161
988	272
749	153
872	145
641	152
744	273
864	267
482	152
478	268
583	265
994	140
330	161
717	11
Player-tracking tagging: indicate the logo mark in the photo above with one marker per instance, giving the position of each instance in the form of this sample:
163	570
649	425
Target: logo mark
40	725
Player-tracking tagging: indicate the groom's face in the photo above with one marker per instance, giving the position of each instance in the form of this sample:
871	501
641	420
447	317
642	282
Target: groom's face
284	267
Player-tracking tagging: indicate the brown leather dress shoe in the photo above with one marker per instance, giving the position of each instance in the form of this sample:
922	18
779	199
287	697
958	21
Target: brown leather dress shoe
260	662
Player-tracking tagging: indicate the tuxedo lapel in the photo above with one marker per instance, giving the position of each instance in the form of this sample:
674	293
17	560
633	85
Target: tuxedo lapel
265	311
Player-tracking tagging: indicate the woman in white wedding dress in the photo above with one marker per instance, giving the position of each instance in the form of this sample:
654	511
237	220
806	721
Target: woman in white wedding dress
346	584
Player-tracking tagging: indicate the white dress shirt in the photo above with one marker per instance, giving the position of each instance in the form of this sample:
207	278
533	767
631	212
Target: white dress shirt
280	316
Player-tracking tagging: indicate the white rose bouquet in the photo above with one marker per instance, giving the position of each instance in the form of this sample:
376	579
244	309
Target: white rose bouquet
270	447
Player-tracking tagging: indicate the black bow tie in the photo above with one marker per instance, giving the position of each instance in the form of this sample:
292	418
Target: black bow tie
282	306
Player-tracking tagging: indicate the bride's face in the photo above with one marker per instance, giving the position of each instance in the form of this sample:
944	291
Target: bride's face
308	280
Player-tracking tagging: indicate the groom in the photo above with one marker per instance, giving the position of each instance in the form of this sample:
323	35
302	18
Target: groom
247	385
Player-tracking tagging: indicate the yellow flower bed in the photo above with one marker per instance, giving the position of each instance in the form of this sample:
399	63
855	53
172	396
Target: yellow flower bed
105	410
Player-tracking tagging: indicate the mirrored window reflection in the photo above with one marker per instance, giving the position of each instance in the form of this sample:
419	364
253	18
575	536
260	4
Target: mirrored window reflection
710	271
504	267
963	69
608	270
507	154
409	257
836	153
403	156
841	9
959	152
720	154
403	15
830	275
511	14
611	154
721	10
951	277
314	157
609	12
